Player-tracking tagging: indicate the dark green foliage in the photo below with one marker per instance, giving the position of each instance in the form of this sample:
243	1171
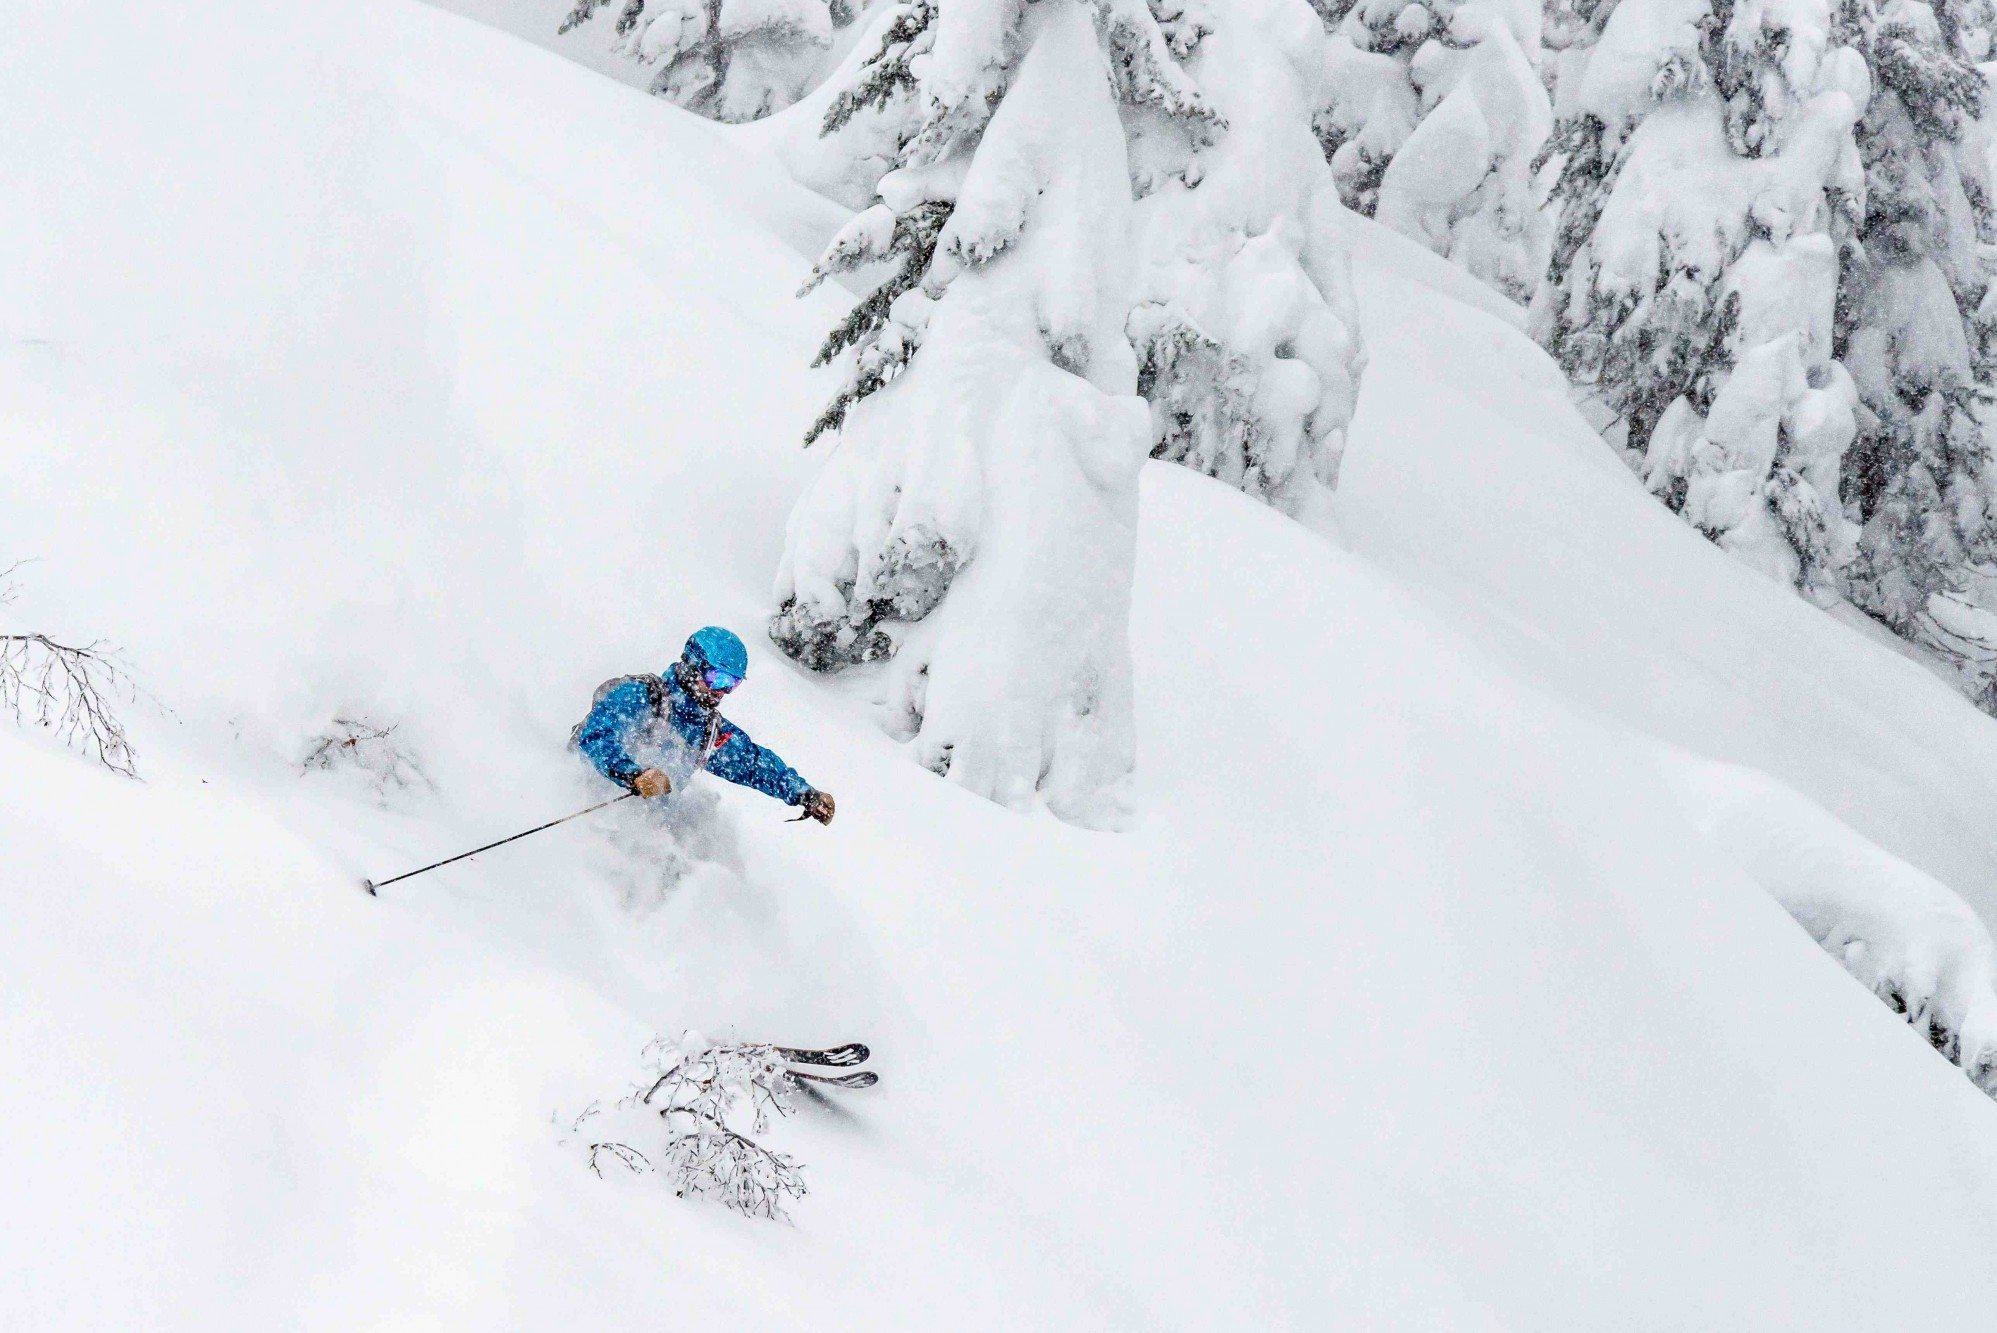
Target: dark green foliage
1801	513
1920	474
1640	355
1635	355
1184	28
1919	478
914	240
1143	74
585	10
883	78
885	74
1938	89
1386	38
828	643
1916	480
1361	191
1743	77
1202	408
1140	59
916	572
1587	175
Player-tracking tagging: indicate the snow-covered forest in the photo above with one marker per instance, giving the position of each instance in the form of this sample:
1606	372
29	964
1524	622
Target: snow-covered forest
1378	618
1757	238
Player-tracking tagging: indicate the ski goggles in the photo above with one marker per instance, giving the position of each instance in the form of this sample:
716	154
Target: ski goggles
718	680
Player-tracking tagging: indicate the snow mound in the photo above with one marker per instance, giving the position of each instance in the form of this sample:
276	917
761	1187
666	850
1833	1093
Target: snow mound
1911	941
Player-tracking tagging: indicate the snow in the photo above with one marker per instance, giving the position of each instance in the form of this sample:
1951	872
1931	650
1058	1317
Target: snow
1724	208
1435	114
592	44
372	361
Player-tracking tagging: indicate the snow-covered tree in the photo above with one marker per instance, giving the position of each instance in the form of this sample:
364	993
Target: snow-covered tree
732	60
1222	297
1708	180
977	519
1919	335
1370	101
1772	274
1435	111
1245	324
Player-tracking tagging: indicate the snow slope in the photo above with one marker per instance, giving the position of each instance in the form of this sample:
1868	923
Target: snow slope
373	362
1478	484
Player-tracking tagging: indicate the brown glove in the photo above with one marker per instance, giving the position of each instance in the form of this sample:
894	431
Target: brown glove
651	783
819	805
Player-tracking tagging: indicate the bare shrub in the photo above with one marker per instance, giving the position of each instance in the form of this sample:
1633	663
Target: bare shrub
369	747
713	1099
69	689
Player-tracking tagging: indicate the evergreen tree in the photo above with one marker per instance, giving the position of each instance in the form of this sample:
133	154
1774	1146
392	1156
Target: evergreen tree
1245	324
1371	105
977	520
1919	334
1771	274
732	60
1707	182
1435	111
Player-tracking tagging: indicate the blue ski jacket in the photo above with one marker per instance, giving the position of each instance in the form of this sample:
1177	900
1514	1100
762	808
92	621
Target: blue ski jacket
655	722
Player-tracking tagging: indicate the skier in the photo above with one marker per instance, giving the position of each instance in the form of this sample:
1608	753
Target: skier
653	733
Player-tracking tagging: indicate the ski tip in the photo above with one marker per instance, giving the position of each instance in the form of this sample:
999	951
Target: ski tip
852	1053
864	1079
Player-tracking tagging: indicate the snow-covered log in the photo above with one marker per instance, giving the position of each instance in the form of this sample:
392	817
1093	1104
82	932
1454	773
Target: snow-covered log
1903	934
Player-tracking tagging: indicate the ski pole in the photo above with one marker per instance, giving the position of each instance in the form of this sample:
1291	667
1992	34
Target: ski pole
371	886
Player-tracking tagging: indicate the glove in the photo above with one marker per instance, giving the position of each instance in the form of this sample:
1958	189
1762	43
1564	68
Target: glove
819	805
651	784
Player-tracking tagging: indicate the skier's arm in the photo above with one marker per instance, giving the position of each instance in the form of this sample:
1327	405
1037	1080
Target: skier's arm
602	737
748	764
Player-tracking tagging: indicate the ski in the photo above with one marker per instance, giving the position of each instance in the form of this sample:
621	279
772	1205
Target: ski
852	1053
866	1078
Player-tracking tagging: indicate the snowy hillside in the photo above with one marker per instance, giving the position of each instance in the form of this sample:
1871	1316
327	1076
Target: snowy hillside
367	363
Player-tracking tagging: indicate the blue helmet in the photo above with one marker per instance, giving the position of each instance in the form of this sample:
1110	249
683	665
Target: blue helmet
719	648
